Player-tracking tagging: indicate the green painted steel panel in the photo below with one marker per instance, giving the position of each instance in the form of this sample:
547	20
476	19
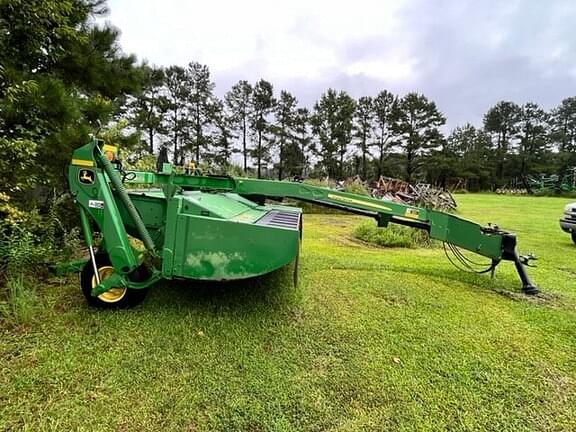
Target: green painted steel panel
216	249
219	206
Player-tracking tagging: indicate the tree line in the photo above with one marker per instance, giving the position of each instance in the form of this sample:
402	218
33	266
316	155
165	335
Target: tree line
384	134
178	111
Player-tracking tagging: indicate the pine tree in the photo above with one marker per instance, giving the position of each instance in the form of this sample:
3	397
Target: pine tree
564	125
417	122
177	93
201	102
285	116
60	76
332	124
146	110
303	139
502	122
471	161
384	108
363	129
222	136
263	103
239	102
532	135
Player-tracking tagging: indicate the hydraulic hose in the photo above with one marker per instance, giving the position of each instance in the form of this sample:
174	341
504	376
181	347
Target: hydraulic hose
115	179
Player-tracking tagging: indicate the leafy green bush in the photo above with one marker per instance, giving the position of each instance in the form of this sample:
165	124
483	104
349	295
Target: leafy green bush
235	170
392	236
30	242
17	165
20	256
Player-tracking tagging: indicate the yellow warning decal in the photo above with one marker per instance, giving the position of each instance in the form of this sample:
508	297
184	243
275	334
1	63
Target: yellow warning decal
83	162
358	202
411	213
110	148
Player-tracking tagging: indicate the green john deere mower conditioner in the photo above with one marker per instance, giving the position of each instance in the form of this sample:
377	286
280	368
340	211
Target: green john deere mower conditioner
219	228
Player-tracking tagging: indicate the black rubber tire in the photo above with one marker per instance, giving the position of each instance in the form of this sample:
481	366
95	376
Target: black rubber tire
574	237
131	298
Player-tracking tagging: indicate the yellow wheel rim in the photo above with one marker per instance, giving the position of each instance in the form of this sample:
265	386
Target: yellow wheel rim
113	295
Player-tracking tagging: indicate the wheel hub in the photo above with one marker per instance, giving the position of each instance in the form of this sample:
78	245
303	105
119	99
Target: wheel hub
113	295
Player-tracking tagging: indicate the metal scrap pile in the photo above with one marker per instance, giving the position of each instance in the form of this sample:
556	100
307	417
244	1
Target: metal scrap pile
418	194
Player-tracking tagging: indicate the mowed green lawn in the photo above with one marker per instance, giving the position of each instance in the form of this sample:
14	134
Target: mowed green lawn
371	339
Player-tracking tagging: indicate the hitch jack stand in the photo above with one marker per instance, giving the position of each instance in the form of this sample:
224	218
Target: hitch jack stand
527	286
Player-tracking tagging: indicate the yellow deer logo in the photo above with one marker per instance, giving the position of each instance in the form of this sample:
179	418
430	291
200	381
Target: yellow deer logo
86	177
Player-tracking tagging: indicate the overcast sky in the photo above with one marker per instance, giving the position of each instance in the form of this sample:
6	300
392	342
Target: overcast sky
464	54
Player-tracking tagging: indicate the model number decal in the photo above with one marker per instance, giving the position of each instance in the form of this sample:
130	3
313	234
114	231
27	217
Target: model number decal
96	204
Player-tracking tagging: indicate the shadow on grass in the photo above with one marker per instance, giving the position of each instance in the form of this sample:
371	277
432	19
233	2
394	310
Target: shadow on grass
273	291
504	285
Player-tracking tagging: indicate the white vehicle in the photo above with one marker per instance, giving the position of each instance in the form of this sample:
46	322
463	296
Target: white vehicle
568	221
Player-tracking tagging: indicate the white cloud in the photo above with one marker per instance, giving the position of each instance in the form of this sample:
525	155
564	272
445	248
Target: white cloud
393	70
464	54
283	39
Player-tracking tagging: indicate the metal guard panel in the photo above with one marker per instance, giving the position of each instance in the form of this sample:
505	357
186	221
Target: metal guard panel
216	249
281	219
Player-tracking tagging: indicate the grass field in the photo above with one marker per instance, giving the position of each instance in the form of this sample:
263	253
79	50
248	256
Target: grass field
371	339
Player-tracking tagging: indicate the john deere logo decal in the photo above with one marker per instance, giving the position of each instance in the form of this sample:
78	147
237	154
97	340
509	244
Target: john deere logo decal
86	176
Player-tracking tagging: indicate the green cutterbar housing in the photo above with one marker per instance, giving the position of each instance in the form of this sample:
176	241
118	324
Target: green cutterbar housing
220	228
217	236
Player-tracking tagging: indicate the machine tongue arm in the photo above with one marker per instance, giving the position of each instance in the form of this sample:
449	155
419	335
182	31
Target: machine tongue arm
456	232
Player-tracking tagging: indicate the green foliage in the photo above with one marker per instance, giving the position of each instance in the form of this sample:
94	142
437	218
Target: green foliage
148	108
563	125
17	165
262	104
19	300
416	122
36	33
21	254
464	155
385	108
332	121
61	76
21	249
29	243
304	139
142	163
238	102
290	158
502	122
203	108
392	236
355	187
363	129
222	136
